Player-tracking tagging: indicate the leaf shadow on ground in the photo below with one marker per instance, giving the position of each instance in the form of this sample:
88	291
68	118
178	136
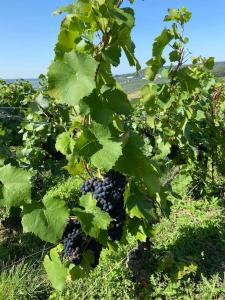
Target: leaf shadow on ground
18	247
204	247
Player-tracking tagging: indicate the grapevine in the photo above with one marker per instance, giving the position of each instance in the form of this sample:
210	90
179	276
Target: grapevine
80	123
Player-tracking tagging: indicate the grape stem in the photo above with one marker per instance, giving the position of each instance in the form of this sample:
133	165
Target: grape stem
87	169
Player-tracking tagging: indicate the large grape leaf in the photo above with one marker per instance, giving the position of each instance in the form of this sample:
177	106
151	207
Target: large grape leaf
98	146
72	78
102	106
118	101
139	228
98	108
128	47
93	220
70	31
65	143
46	220
122	16
111	149
86	145
149	93
157	61
16	186
56	271
135	163
138	204
112	54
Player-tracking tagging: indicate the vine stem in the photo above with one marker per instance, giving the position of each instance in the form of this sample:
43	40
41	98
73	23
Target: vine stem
74	110
180	63
87	168
105	40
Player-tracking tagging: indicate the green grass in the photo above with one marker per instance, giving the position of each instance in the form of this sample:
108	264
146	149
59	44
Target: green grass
109	281
190	245
23	282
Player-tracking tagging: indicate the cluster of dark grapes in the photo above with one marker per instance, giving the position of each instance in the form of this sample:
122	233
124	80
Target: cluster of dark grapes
109	195
75	242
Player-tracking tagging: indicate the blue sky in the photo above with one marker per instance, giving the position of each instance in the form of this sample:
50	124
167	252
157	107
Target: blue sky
28	32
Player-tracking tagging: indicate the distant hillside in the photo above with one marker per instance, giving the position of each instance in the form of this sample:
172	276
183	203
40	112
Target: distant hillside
134	81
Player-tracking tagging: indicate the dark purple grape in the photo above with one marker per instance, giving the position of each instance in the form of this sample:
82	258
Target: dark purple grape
109	195
75	242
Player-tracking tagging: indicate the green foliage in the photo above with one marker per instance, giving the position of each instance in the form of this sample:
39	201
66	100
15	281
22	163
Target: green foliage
40	219
138	204
72	79
184	264
133	157
111	148
16	188
89	127
52	263
92	218
182	15
65	143
67	191
14	99
158	61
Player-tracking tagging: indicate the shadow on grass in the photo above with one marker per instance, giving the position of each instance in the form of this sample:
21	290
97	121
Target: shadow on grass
204	247
18	247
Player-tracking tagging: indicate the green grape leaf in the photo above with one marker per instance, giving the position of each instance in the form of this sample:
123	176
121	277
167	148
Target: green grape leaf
187	79
112	54
103	106
149	93
42	101
56	271
16	186
139	228
46	220
74	167
182	15
93	220
122	16
118	101
86	145
111	148
98	108
157	61
105	74
129	47
72	78
70	31
181	182
65	143
68	8
79	8
135	163
209	63
174	56
138	204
